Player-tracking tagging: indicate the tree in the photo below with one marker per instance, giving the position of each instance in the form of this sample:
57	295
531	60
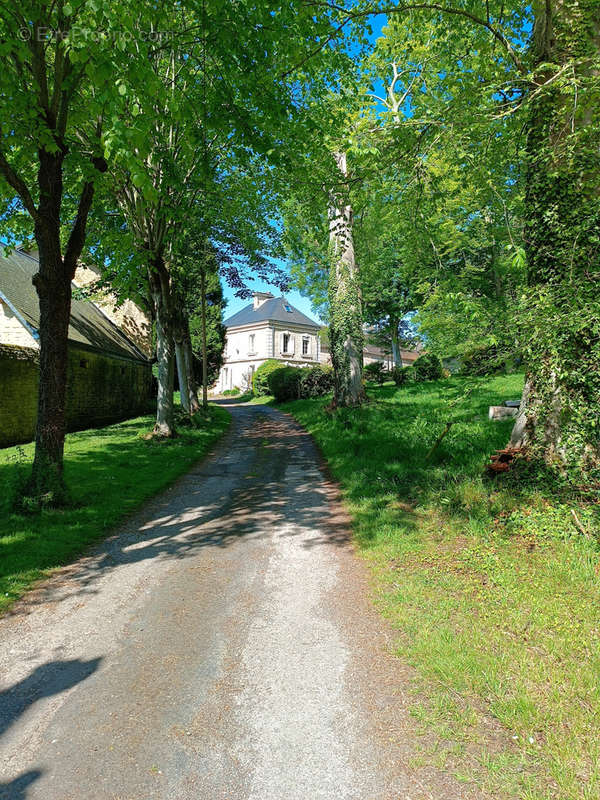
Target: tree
59	90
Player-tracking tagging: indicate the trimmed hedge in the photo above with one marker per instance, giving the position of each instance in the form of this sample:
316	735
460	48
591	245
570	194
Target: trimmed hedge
315	381
291	383
260	379
284	383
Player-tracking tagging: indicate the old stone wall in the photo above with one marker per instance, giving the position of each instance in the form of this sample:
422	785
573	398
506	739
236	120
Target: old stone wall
100	390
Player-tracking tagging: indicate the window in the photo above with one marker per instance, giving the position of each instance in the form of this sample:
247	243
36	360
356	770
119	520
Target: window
251	343
305	345
288	308
286	343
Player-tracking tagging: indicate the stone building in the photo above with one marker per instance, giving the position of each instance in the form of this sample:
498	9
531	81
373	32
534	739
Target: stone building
109	377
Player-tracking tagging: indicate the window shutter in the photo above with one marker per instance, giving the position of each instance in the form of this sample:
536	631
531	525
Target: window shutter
292	343
281	342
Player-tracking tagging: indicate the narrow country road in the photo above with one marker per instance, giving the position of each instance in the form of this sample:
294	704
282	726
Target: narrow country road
220	645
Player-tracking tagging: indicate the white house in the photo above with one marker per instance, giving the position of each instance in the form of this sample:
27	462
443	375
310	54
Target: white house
269	327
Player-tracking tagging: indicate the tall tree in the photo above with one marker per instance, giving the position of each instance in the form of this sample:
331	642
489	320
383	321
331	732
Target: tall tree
59	91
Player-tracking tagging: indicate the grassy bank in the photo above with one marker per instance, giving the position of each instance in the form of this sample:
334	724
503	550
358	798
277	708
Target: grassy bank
109	472
492	585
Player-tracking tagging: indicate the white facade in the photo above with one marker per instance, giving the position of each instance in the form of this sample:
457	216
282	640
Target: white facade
12	330
250	345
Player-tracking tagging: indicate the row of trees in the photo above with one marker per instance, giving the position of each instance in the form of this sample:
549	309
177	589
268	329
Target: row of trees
153	138
454	172
467	191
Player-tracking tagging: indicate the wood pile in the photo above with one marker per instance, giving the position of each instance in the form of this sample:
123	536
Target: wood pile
502	460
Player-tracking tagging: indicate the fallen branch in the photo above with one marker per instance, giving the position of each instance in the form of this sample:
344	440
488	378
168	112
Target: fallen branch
438	441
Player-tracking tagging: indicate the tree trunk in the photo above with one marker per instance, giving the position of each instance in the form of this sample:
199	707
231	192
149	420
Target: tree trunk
396	356
54	292
204	342
345	330
182	376
562	218
165	347
189	366
53	286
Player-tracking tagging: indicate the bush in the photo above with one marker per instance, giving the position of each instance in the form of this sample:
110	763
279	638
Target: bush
428	367
483	361
231	392
375	372
284	383
260	379
315	381
403	375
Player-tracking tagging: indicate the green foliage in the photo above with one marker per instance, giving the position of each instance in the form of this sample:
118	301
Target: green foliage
231	392
260	379
403	375
428	367
315	381
284	383
483	361
375	372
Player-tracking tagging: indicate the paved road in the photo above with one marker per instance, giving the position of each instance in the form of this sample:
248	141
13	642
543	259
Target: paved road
221	645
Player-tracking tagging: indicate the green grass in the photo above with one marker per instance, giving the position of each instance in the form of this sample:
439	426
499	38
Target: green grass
109	473
492	588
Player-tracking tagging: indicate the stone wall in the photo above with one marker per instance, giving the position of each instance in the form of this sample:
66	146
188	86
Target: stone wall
100	390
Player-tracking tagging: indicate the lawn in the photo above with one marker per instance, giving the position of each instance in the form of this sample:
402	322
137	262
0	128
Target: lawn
491	584
109	473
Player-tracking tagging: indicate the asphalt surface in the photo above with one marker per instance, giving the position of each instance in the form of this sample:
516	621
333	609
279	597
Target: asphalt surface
220	645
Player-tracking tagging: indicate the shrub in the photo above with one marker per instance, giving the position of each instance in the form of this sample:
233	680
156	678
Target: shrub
428	367
483	361
231	392
403	375
315	381
284	383
375	372
260	379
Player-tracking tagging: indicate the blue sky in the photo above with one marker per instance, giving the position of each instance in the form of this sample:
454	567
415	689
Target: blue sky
234	304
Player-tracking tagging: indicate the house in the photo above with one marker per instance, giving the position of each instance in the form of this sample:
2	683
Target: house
269	327
109	377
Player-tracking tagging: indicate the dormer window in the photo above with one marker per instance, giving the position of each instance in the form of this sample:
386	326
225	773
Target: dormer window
288	308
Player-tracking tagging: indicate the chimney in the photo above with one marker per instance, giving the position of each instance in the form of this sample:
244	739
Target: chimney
260	298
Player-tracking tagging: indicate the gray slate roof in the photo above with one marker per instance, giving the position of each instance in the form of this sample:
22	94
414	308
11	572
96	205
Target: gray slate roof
271	310
88	326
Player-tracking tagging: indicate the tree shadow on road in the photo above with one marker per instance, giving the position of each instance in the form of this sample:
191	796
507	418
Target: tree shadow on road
17	788
46	680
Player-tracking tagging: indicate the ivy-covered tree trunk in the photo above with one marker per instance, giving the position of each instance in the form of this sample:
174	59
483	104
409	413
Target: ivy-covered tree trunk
345	311
561	316
160	288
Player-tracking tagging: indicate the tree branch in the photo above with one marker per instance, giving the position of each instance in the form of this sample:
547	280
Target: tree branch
19	185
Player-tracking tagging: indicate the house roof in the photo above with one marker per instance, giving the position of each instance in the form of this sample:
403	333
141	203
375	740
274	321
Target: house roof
273	310
88	326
